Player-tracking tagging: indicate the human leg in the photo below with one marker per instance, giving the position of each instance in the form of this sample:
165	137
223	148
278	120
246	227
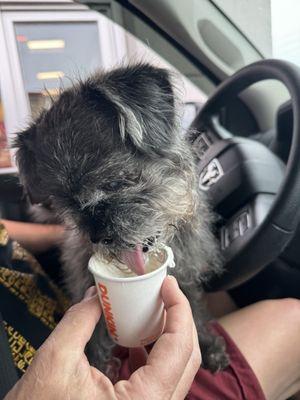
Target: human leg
268	335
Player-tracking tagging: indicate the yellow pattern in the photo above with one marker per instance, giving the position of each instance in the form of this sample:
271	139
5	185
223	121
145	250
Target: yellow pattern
24	287
23	255
3	235
21	350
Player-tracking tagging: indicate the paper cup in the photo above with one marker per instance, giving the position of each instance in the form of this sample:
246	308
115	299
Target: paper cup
132	307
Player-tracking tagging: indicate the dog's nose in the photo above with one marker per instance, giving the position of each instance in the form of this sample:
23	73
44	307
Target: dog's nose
96	233
99	224
108	241
94	239
97	237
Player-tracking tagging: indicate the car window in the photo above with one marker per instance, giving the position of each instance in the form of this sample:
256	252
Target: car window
52	54
272	26
253	18
46	51
5	160
192	97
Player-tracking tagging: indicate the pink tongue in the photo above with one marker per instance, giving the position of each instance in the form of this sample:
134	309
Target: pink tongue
134	259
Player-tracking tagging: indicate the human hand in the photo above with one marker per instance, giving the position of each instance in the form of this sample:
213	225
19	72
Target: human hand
60	369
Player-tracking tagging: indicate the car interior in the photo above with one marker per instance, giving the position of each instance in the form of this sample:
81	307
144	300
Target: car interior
241	107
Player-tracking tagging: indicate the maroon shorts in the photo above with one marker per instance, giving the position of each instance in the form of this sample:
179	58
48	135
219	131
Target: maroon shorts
236	382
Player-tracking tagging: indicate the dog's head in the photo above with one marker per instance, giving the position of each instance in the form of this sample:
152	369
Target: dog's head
109	158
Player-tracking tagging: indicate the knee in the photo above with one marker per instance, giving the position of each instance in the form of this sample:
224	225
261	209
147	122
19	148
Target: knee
286	310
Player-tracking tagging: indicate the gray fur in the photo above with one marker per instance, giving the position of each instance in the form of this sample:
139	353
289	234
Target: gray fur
109	159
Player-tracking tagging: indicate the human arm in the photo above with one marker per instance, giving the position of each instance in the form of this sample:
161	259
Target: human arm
35	238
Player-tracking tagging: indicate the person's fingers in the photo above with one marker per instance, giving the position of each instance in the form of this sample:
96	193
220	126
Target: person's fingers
190	371
76	327
171	353
177	339
177	306
91	291
137	358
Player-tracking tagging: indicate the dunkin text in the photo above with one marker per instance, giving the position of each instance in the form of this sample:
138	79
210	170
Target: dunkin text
111	326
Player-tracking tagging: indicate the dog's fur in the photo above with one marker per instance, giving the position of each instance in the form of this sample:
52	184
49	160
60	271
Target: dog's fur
109	160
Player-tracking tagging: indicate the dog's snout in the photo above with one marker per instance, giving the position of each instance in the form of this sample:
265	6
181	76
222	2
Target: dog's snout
98	232
97	237
108	241
98	222
94	238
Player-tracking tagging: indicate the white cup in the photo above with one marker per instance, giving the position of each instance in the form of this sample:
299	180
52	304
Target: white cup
132	307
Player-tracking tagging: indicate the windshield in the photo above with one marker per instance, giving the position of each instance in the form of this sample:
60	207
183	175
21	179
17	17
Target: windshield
272	26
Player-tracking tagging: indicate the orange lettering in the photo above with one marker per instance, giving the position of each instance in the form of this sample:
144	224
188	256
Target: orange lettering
111	326
102	288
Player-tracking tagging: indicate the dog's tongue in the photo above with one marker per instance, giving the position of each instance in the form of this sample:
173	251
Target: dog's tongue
134	259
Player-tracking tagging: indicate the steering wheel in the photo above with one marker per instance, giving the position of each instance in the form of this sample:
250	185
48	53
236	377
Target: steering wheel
257	195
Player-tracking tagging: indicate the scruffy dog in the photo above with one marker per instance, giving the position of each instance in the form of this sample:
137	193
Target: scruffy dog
109	162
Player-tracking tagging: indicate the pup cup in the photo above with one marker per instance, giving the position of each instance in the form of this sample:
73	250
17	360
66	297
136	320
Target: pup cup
132	305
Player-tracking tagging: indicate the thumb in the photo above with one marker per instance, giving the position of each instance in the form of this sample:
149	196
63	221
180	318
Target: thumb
78	324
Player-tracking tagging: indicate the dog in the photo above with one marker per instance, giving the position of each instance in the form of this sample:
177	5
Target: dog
109	162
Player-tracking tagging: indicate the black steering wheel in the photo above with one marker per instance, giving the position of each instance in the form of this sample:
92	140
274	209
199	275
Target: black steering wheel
257	195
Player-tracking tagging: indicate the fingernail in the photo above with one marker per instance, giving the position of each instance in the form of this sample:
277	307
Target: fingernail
91	291
172	278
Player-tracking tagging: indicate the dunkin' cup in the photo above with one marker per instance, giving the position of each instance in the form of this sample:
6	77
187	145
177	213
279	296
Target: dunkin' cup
132	305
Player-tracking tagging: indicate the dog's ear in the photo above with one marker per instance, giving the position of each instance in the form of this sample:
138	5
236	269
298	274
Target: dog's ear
27	164
144	99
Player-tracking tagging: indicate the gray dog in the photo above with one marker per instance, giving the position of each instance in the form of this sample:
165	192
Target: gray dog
109	162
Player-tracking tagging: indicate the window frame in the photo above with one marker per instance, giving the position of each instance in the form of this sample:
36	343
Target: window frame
7	93
112	46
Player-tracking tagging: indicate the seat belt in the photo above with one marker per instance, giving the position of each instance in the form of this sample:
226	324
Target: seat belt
8	372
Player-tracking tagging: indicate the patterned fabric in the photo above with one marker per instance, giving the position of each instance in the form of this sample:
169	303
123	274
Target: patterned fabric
30	303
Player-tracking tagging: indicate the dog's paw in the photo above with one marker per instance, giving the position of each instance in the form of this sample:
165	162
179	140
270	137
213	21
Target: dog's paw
214	356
